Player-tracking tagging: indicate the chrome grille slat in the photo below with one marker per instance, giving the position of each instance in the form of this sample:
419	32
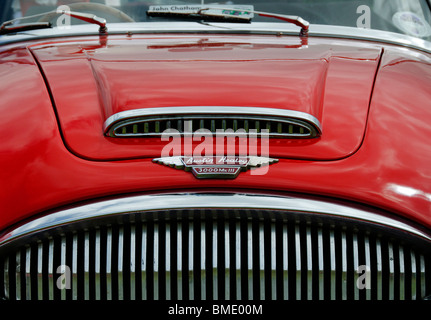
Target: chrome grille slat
18	276
40	272
422	269
333	268
344	266
190	273
209	255
179	262
298	262
227	261
50	269
168	262
144	263
28	273
286	251
262	261
6	272
321	270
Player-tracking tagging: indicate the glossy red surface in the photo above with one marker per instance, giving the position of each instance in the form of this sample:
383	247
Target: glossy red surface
388	168
93	80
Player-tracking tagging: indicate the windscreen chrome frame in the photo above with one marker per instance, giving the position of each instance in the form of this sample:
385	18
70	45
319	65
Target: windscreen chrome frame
315	30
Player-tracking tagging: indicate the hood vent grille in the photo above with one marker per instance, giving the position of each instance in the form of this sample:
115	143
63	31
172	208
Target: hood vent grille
238	121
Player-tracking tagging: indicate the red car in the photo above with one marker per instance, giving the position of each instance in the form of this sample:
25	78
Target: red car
235	151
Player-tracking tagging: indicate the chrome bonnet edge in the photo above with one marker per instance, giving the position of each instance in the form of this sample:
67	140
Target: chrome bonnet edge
143	203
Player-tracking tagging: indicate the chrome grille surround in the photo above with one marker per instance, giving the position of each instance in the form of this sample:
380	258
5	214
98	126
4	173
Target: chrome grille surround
215	246
238	121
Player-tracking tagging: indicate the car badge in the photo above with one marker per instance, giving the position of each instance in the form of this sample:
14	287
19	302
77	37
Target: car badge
215	167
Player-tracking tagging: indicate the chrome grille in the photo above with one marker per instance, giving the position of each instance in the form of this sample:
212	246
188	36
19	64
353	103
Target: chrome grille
216	254
152	122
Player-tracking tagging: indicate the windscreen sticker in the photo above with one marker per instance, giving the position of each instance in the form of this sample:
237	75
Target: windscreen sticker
240	11
411	24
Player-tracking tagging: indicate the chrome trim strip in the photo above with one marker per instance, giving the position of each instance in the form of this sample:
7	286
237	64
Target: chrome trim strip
315	30
130	116
145	203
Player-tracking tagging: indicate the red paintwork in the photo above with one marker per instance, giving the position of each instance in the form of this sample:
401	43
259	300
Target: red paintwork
93	80
389	168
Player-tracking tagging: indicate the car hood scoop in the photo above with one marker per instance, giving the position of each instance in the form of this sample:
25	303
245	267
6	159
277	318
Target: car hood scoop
274	83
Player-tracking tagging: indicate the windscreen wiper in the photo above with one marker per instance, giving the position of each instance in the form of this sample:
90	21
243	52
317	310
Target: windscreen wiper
219	14
13	28
10	27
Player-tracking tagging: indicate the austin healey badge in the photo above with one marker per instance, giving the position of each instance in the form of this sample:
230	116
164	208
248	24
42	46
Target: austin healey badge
216	167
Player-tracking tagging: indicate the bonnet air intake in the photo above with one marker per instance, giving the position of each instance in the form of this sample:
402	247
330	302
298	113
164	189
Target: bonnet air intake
152	122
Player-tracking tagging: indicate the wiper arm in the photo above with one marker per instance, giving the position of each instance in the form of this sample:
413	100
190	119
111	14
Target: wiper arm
228	15
8	27
5	29
198	15
87	17
296	20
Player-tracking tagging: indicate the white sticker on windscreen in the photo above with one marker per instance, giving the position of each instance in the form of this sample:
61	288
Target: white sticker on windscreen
238	11
411	24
